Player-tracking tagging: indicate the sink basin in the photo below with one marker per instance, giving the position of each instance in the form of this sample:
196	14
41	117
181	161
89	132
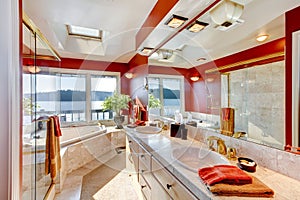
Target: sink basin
194	158
148	129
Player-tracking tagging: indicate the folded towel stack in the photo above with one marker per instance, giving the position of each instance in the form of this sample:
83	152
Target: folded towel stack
227	180
224	174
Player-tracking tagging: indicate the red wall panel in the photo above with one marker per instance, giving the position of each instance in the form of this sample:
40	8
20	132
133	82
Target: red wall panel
139	67
292	25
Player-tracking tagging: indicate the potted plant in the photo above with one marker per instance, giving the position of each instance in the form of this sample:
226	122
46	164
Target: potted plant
116	103
152	104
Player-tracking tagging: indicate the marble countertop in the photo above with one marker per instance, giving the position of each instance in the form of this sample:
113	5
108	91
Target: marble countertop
161	146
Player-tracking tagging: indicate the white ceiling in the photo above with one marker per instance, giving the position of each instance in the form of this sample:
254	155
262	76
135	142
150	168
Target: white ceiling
121	19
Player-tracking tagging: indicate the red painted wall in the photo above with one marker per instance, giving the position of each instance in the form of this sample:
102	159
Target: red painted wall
292	25
80	64
139	67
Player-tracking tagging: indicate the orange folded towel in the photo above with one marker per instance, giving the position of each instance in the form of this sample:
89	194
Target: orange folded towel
224	174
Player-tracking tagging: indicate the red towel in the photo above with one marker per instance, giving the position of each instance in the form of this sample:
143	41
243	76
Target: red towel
225	114
224	174
57	130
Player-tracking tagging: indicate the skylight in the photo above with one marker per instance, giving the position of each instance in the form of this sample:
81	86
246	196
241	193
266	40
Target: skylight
84	32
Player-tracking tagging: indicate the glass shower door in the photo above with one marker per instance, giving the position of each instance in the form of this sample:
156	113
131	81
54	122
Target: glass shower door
36	60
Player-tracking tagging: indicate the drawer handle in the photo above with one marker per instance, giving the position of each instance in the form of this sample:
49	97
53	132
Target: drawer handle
142	156
143	186
169	186
129	141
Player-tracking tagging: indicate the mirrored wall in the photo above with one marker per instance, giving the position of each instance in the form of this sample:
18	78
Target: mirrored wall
258	96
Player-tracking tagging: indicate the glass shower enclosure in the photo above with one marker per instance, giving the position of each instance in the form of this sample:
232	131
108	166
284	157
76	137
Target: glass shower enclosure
37	57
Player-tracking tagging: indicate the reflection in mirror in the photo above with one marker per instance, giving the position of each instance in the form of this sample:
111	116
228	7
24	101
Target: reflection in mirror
258	95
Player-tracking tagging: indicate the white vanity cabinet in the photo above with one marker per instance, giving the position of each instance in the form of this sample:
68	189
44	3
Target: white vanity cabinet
154	180
170	183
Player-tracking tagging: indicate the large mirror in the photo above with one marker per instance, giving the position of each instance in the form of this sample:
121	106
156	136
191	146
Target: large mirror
257	95
253	83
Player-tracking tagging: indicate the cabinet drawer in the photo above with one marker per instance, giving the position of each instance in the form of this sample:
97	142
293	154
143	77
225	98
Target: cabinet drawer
146	190
133	145
175	189
145	173
145	158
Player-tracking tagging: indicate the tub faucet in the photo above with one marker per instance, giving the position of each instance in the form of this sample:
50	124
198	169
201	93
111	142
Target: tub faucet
221	147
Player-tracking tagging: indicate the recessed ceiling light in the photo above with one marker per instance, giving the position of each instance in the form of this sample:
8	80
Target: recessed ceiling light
197	26
262	38
84	32
146	51
176	21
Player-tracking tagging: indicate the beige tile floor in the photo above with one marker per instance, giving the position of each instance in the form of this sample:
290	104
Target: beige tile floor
96	181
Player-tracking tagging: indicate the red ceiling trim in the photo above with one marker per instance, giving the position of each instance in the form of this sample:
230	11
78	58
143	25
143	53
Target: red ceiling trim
159	11
255	52
138	60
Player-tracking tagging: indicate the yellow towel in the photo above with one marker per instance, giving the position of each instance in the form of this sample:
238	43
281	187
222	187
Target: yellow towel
52	159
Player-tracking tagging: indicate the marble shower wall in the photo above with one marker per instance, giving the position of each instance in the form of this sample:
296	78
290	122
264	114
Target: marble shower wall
258	96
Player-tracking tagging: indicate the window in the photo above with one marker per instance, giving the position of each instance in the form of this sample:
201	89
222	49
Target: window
101	87
72	97
168	89
76	97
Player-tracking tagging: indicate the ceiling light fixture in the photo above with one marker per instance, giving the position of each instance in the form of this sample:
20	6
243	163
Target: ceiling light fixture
34	69
146	51
176	21
84	32
197	26
195	78
128	75
226	13
201	59
261	38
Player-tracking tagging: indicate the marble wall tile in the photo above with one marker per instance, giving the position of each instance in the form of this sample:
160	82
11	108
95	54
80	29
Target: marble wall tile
288	164
280	161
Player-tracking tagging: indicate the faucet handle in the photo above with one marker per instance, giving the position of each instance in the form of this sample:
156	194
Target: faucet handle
221	147
210	142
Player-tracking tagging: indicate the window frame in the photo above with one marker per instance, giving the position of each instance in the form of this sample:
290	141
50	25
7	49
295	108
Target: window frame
88	74
182	95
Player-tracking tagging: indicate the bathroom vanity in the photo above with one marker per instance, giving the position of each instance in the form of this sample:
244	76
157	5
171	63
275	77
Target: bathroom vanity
155	180
162	176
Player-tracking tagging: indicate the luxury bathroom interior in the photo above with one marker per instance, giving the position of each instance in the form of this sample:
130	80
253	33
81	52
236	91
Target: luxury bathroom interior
206	85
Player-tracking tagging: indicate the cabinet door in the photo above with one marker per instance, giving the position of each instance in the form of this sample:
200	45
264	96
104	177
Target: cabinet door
175	189
145	188
158	192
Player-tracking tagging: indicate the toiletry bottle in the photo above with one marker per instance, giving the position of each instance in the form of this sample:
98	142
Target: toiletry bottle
178	117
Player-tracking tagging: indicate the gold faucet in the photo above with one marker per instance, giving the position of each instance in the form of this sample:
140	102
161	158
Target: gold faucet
221	147
160	123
